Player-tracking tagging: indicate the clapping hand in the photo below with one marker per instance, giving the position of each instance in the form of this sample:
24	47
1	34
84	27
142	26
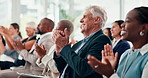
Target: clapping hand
61	39
41	51
107	64
4	31
18	45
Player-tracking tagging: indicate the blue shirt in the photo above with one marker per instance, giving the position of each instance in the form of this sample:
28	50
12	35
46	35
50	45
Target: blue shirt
133	63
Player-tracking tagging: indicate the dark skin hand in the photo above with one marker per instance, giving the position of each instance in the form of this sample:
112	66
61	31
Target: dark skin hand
107	64
41	51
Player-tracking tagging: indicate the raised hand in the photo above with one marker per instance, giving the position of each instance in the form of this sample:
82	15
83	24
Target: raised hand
4	31
103	68
0	37
108	63
108	54
41	51
61	39
18	45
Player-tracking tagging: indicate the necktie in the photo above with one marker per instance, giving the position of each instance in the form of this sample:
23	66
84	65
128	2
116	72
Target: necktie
37	40
34	45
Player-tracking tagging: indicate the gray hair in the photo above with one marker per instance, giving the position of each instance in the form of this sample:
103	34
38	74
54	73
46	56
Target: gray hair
31	24
98	11
67	24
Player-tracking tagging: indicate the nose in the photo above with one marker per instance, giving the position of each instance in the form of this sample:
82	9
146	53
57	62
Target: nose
111	29
81	21
38	25
123	24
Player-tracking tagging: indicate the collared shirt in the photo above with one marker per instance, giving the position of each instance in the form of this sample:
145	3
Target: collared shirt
136	65
45	34
40	38
83	42
115	42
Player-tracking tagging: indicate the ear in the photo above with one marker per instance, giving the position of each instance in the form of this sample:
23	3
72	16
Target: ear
144	28
97	20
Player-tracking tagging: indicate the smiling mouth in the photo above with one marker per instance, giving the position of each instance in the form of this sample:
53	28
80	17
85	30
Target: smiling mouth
82	24
123	33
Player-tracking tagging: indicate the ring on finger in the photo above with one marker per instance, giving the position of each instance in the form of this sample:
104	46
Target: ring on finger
96	66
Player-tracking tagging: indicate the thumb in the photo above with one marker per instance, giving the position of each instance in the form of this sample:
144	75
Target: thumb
66	33
116	58
43	47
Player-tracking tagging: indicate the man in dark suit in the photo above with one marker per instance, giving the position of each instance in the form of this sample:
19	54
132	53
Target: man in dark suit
72	61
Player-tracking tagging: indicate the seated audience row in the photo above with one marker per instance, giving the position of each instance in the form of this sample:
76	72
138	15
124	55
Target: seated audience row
53	56
11	52
133	62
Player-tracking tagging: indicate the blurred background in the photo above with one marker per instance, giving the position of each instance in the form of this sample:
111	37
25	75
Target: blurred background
23	11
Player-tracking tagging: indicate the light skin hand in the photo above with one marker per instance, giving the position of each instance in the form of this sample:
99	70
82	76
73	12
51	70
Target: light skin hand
107	64
0	37
4	31
41	51
61	39
2	49
18	45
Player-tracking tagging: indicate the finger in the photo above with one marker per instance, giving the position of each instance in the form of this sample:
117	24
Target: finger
94	63
108	48
89	57
43	47
62	33
116	60
93	59
107	62
37	47
116	57
19	42
66	32
103	54
53	37
105	50
110	52
15	45
55	33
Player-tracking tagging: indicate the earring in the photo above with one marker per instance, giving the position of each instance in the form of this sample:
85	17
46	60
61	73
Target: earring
141	33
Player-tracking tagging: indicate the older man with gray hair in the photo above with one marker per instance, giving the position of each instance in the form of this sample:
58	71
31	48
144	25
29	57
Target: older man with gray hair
72	61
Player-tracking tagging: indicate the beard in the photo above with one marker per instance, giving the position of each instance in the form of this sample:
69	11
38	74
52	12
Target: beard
38	31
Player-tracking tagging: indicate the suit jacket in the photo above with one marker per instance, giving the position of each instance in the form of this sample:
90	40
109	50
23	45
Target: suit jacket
77	63
30	57
121	47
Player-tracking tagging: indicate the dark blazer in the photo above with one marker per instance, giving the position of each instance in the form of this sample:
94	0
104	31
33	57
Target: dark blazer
77	63
121	47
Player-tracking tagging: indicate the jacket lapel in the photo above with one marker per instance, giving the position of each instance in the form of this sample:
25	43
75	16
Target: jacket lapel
116	46
89	41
